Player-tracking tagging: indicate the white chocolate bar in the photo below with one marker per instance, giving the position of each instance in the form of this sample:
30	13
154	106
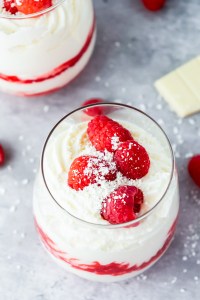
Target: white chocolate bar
181	88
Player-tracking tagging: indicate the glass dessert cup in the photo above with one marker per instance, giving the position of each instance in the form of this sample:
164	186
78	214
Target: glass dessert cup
42	52
105	252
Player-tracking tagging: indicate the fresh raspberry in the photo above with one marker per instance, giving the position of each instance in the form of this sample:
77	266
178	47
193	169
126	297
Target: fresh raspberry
32	6
122	205
86	170
94	111
10	5
2	155
106	134
132	160
154	5
194	169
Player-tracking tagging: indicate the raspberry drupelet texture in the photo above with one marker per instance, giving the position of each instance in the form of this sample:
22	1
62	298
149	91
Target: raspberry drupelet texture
122	205
106	134
194	169
86	170
132	160
10	6
32	6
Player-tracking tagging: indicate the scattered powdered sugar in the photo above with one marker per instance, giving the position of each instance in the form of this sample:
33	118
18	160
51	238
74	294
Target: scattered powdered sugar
198	261
21	138
99	167
46	108
159	106
142	107
191	121
2	191
71	141
115	142
188	155
117	44
25	181
97	78
123	89
184	270
18	267
22	235
191	243
12	208
174	280
142	277
160	122
19	2
91	197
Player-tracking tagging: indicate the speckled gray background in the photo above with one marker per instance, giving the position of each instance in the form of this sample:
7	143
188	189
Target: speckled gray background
134	47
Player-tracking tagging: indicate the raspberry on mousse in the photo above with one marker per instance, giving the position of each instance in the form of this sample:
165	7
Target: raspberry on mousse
132	160
10	6
32	6
122	205
138	235
26	6
105	133
129	159
86	170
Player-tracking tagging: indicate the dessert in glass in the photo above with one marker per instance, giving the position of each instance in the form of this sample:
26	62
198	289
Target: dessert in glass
44	43
106	198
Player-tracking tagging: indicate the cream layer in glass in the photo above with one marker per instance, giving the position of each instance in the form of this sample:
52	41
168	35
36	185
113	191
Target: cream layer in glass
43	53
69	222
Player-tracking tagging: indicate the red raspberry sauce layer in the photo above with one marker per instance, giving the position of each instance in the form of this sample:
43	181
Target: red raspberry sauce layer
112	269
57	71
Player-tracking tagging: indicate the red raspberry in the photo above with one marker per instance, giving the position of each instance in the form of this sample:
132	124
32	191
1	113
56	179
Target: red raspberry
2	155
86	170
94	111
122	205
132	160
105	133
194	168
10	6
32	6
154	5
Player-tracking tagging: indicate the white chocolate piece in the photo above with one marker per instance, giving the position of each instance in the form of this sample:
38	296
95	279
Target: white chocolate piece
181	88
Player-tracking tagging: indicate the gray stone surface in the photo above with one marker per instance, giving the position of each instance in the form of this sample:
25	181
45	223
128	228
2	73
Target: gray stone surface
134	47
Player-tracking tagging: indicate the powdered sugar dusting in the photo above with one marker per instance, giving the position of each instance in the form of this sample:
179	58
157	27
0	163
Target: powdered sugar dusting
115	142
100	166
71	141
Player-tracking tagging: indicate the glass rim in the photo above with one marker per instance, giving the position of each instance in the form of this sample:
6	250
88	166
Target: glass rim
143	216
37	14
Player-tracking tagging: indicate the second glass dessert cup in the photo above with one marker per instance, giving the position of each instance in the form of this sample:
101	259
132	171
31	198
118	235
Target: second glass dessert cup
42	52
105	252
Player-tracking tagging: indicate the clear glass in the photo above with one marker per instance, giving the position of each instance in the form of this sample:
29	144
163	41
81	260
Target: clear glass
42	52
105	252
